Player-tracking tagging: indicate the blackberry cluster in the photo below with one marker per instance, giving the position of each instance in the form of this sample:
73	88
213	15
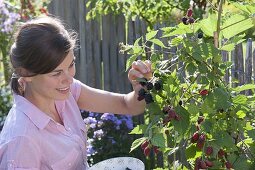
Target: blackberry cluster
188	19
144	93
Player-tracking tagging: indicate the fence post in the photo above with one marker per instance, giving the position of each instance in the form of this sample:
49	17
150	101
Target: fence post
248	64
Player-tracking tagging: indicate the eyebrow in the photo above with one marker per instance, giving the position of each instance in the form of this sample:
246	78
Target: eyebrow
62	69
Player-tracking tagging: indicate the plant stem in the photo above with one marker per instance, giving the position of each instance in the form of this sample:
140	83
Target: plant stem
217	33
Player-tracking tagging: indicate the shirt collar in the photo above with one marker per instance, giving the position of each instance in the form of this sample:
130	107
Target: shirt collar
39	118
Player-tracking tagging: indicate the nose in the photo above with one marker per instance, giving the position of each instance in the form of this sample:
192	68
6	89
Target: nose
68	78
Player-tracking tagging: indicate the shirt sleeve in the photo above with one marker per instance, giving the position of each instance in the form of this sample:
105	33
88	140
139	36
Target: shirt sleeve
20	153
76	89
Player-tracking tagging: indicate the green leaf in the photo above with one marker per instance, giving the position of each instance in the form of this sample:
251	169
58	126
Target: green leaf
223	139
139	129
241	114
228	47
183	124
244	87
130	60
240	99
176	41
235	25
193	109
157	42
209	25
137	143
190	151
158	140
251	134
151	35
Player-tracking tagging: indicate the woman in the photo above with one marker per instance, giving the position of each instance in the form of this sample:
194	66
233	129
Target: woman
44	129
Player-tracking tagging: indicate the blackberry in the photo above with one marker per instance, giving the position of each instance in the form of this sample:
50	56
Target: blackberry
158	85
149	85
180	102
148	98
200	35
140	98
141	92
185	20
191	20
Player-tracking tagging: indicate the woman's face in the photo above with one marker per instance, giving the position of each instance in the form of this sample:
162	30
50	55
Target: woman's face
56	84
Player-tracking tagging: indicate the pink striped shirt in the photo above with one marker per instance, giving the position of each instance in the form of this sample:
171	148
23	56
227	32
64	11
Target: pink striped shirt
32	140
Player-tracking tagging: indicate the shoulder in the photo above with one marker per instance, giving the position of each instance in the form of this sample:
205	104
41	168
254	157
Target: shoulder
16	124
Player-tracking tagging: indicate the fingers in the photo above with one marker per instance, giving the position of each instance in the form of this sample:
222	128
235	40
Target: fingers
140	69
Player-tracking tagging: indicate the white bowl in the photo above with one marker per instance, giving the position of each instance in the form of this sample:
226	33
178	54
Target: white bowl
119	163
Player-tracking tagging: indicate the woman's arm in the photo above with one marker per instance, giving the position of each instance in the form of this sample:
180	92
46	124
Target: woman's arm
101	101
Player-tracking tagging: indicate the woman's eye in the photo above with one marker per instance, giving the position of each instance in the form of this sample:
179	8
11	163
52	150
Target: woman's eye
73	63
57	74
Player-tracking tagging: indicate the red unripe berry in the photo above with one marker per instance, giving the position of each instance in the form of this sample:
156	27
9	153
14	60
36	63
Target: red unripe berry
189	13
171	114
195	137
203	92
147	151
144	144
209	163
200	144
203	165
221	153
155	150
228	165
201	141
209	150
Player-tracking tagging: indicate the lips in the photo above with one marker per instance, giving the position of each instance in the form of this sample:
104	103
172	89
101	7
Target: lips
64	90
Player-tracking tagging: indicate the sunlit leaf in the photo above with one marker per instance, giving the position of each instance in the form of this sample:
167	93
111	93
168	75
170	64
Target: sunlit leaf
137	143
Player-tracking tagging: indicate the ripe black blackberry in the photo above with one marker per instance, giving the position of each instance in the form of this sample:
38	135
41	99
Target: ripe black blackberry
191	20
200	35
149	85
185	20
141	94
148	98
158	85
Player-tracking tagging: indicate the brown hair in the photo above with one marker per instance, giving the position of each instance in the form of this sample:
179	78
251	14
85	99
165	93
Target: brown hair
40	46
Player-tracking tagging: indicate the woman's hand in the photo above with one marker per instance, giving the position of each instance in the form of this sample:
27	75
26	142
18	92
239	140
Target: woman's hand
139	69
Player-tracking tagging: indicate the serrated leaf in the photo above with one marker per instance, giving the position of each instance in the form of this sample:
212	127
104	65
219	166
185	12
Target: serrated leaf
251	134
158	140
240	99
193	109
137	143
228	47
244	87
139	129
191	151
241	114
176	41
157	42
181	125
209	25
235	25
151	35
223	139
130	60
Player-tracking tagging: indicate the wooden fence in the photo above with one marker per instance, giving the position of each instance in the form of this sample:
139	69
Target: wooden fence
99	63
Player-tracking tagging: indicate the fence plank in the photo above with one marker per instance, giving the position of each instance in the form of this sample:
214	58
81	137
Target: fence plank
96	53
113	44
248	64
105	51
